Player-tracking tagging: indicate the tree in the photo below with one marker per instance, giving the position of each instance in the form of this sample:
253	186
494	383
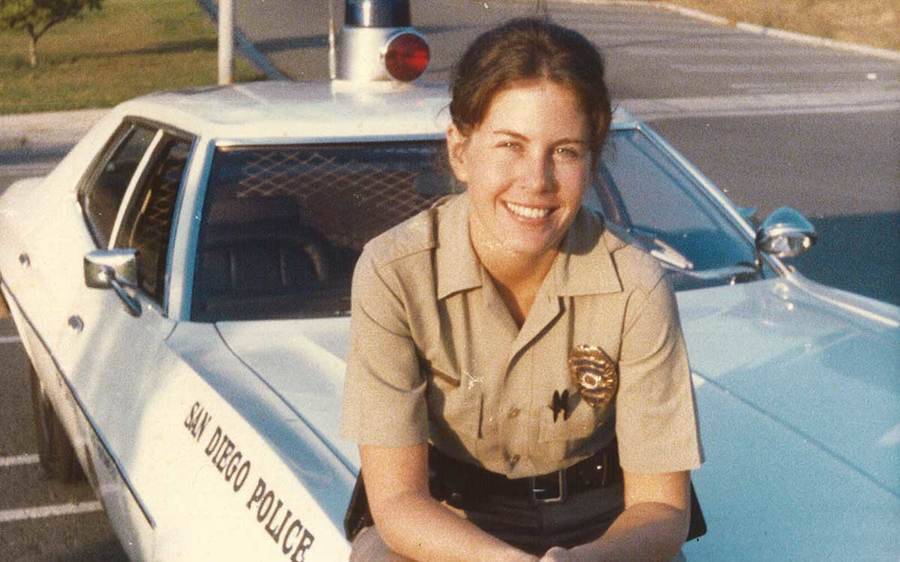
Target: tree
38	16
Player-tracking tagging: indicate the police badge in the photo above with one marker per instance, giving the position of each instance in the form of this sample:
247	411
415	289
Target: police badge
595	375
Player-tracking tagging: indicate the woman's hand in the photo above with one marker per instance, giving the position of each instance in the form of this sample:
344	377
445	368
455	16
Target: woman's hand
411	523
557	554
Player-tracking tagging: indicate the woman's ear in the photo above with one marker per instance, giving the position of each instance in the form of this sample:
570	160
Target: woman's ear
456	152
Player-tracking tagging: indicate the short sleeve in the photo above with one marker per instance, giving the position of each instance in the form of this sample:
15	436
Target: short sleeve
384	401
656	417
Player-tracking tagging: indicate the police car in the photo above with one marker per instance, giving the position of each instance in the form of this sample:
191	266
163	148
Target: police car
181	284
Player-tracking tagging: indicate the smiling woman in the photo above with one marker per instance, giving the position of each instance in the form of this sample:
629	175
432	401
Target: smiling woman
531	395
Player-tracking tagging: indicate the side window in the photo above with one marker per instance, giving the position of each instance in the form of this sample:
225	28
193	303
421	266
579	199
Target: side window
147	223
103	193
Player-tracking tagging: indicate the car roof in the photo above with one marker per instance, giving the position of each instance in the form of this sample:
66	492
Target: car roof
277	110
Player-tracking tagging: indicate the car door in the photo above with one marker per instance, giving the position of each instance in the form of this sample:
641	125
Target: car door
114	355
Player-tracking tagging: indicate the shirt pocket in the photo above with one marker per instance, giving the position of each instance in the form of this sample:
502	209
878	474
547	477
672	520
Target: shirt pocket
450	404
575	435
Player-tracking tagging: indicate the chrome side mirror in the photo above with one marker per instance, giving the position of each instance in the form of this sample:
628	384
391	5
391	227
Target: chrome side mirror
785	233
114	268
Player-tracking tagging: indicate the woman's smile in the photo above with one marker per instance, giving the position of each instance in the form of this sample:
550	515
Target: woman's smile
528	213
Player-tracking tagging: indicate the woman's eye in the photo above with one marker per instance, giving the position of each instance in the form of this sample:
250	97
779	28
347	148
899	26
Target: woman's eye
509	145
568	152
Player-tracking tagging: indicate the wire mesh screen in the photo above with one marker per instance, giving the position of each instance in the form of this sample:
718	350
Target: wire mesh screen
348	193
283	225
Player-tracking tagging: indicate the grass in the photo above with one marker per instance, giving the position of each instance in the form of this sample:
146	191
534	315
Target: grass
128	48
868	22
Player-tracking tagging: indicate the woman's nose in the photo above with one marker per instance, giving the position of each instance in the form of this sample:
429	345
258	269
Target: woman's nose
538	172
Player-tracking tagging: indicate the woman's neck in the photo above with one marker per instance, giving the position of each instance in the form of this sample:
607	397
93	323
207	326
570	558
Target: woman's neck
517	276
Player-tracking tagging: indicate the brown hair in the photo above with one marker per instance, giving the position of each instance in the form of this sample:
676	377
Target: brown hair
529	49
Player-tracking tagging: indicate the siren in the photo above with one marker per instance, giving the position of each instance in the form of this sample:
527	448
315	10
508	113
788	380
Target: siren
378	43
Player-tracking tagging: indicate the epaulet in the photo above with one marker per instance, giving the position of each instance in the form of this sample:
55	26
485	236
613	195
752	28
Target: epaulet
415	234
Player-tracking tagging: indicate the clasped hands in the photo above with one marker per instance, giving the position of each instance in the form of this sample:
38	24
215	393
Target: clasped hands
555	554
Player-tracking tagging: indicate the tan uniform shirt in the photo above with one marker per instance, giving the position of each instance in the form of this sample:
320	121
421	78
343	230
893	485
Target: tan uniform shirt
436	356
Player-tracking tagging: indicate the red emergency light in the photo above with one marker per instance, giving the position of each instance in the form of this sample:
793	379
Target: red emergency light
406	56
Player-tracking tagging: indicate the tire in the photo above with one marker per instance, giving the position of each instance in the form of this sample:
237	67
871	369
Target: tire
54	447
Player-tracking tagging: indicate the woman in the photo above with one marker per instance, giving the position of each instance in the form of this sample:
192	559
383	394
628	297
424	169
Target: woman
506	347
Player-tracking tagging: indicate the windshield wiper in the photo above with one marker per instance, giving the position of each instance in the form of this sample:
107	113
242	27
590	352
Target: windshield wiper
673	260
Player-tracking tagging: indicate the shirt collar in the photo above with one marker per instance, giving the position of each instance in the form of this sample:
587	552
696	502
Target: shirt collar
458	268
585	265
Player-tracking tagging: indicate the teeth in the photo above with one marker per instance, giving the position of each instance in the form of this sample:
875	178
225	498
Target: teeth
527	212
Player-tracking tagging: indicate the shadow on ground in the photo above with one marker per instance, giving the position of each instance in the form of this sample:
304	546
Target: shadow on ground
859	253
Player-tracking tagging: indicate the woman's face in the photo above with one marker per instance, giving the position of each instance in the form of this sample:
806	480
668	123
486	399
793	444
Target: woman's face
526	166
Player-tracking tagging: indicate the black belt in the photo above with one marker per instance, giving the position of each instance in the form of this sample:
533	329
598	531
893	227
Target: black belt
457	481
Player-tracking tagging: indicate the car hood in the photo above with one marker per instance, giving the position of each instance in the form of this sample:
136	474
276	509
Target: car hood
303	361
797	390
790	351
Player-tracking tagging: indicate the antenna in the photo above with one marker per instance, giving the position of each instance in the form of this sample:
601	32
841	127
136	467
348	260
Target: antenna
332	52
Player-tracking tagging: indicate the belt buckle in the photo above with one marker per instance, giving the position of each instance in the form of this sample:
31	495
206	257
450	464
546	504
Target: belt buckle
542	494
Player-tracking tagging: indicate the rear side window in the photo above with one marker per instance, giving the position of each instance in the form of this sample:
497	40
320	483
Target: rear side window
147	223
103	193
283	225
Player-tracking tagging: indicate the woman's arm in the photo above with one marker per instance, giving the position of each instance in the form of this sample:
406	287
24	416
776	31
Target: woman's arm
411	522
652	527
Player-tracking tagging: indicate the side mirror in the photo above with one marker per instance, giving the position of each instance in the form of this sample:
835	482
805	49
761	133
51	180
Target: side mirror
785	233
116	269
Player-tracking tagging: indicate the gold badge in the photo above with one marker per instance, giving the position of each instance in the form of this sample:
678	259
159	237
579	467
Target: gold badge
595	375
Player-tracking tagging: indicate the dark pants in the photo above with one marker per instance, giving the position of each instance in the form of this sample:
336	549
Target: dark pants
535	527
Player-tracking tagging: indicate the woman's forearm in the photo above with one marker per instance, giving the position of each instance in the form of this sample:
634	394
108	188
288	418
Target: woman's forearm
418	527
644	531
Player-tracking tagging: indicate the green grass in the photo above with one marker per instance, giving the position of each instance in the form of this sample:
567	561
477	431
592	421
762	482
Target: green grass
128	48
866	22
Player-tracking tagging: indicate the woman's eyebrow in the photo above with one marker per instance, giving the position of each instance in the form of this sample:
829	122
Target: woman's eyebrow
509	133
514	134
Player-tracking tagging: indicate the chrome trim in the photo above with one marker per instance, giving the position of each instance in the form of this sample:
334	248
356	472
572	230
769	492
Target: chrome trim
185	246
136	179
173	227
74	394
102	267
815	290
785	233
237	142
376	13
116	269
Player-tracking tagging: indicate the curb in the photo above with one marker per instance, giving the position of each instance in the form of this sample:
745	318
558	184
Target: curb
752	27
26	131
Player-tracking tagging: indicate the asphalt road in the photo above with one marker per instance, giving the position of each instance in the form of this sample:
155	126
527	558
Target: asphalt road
772	122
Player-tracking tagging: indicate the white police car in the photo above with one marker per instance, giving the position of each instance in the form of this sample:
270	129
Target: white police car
181	284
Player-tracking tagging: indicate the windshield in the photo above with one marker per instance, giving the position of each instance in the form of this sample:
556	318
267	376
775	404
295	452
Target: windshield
283	225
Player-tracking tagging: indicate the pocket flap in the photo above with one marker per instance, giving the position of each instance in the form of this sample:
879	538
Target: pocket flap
583	421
